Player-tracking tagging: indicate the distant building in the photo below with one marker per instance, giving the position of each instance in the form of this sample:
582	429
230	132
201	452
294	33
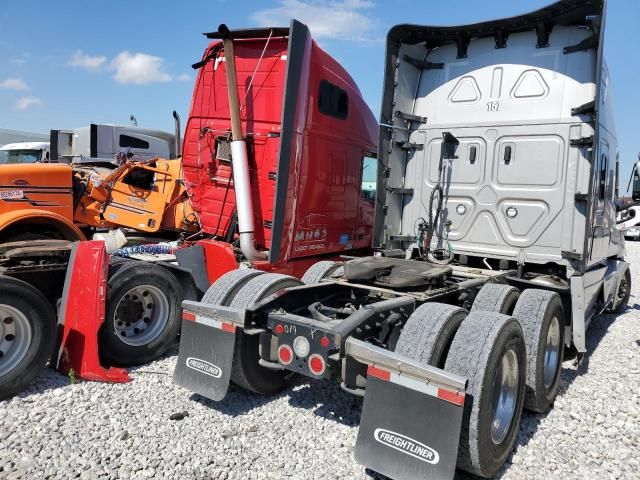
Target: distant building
14	136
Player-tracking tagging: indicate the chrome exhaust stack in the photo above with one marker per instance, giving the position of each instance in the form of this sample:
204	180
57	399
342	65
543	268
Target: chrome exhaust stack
239	159
178	143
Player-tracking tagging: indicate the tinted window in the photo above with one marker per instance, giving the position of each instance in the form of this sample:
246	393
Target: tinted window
333	101
132	142
369	178
604	166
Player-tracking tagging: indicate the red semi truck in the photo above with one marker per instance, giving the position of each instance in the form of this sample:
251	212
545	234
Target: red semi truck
275	147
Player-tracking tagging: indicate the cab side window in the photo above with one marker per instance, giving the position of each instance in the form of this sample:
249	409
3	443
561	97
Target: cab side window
369	177
333	100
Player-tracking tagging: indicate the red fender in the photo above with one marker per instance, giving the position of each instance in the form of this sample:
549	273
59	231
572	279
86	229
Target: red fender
82	313
219	257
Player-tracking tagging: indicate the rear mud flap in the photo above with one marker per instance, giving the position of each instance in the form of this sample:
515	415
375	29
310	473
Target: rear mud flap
205	356
410	423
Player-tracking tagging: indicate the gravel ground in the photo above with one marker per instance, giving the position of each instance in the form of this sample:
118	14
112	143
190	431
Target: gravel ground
89	430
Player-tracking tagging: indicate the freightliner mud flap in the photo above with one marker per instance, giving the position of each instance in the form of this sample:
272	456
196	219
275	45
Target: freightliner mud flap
207	342
411	418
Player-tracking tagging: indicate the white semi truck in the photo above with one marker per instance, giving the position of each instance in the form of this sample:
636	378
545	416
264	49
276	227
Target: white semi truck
24	152
496	245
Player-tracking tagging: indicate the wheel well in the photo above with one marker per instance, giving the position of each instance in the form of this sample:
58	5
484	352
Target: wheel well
44	226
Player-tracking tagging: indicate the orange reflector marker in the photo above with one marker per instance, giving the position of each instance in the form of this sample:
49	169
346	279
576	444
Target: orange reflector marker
379	373
324	341
279	329
228	327
449	396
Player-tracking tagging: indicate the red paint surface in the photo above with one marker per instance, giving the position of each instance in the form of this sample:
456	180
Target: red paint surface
323	206
84	315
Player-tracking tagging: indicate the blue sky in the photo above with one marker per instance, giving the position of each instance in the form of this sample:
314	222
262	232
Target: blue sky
66	64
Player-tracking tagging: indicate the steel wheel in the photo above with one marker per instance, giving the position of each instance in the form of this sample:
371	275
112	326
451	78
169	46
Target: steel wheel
552	352
505	396
141	315
15	338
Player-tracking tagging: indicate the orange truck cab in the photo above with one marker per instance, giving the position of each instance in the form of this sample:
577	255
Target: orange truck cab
36	201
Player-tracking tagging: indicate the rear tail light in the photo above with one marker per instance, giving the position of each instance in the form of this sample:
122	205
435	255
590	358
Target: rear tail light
301	346
317	364
279	329
285	354
324	341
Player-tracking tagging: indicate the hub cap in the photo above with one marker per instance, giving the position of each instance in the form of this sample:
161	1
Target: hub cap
551	352
141	315
15	338
622	290
505	396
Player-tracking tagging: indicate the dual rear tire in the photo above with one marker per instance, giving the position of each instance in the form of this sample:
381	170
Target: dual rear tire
511	363
240	289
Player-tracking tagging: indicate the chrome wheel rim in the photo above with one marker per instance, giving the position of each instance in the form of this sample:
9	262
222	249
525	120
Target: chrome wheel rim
141	315
552	352
622	291
15	338
505	396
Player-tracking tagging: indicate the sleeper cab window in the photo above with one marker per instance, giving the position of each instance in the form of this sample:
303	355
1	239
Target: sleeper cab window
369	177
132	142
333	100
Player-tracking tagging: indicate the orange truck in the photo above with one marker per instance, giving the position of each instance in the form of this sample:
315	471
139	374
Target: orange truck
87	189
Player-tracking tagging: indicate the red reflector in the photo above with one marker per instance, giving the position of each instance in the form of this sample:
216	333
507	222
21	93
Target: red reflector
379	373
188	316
285	354
279	329
453	397
324	341
316	364
228	327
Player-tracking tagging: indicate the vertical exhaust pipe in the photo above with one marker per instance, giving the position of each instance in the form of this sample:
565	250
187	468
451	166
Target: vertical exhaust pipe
176	120
239	160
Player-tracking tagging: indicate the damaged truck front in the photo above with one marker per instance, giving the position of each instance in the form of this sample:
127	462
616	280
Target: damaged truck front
496	246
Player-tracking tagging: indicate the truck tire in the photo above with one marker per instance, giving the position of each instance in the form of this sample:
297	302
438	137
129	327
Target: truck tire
116	263
222	291
489	350
621	299
495	297
143	314
27	334
246	371
316	272
541	315
429	331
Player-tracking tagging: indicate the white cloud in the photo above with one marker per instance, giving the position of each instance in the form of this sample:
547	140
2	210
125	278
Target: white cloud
184	77
332	20
18	61
139	68
14	84
25	103
88	62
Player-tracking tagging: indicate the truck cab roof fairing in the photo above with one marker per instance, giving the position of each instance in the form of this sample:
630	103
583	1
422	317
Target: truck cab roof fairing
471	45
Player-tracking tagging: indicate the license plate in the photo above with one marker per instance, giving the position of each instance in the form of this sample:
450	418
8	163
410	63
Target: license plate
11	194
